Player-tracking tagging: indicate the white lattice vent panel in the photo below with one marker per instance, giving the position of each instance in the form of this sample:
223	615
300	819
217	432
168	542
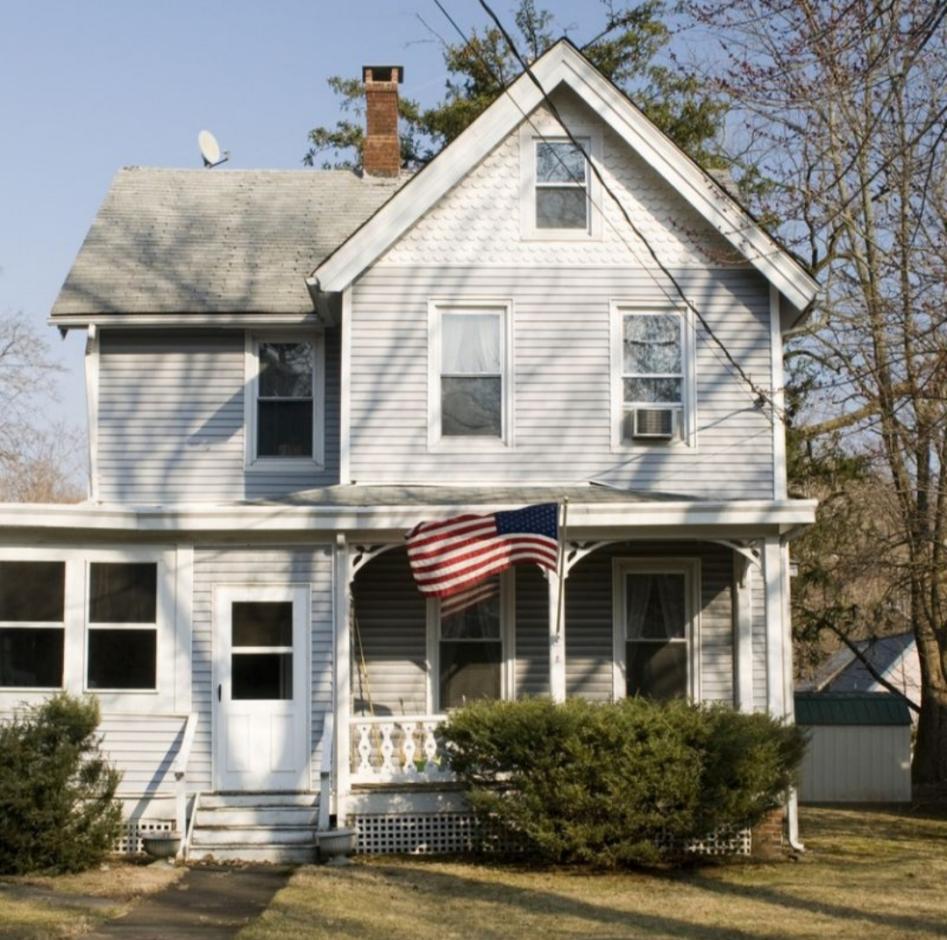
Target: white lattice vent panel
421	834
129	842
457	833
721	842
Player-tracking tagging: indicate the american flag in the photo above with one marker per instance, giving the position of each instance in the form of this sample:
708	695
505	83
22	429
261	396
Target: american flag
454	555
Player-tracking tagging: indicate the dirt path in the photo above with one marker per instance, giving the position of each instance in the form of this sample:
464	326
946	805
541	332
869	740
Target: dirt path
207	903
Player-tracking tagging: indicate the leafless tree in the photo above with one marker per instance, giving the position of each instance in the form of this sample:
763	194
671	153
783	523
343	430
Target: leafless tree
38	462
843	102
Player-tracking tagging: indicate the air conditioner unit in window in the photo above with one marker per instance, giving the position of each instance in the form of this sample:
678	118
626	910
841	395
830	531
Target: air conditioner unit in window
655	424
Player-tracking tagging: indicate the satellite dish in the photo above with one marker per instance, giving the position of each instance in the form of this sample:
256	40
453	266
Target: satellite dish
210	150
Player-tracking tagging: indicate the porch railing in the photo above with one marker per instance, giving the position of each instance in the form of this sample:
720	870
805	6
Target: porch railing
398	749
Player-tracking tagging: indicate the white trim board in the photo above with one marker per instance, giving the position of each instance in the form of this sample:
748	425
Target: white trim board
564	64
253	522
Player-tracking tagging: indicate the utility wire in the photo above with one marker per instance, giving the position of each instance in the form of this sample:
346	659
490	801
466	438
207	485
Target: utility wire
761	395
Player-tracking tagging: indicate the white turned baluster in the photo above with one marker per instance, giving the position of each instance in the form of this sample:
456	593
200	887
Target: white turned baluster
365	749
387	748
430	747
408	747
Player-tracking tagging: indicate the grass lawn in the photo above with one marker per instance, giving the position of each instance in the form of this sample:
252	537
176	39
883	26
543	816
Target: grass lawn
36	906
867	873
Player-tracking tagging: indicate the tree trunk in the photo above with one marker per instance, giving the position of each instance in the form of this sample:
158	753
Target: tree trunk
930	749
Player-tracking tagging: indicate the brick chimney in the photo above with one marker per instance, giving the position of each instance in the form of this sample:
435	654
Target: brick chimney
381	151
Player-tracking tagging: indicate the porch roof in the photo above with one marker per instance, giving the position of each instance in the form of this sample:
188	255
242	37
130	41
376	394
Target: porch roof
387	512
461	496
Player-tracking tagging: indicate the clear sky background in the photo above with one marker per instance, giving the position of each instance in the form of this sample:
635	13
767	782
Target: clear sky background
88	87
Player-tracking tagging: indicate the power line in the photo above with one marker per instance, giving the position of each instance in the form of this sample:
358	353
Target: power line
759	393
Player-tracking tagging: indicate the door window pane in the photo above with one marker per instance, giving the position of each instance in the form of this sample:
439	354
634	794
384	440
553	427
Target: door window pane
262	676
656	608
31	657
657	670
480	620
122	659
262	623
469	671
32	591
123	593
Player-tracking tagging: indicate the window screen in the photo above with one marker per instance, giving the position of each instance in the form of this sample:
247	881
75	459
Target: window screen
285	400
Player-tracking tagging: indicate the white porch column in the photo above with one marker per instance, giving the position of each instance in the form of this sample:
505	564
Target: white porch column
343	681
775	627
742	633
557	637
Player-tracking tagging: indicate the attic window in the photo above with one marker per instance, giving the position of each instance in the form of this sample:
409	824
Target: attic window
562	186
559	190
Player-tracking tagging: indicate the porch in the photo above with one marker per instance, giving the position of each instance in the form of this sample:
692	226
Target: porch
659	617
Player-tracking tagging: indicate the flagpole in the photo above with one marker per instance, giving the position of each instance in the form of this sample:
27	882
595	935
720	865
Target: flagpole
562	561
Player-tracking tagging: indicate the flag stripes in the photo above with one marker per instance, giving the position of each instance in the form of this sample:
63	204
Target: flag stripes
451	556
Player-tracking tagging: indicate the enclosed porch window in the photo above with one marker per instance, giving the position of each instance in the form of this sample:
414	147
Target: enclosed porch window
32	608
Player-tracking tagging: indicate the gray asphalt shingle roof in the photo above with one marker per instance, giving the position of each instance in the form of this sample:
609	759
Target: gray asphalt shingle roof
851	708
214	241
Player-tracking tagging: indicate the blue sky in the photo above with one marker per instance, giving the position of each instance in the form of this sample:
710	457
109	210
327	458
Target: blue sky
89	87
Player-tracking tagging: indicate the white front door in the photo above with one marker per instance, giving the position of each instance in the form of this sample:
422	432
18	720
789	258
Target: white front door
261	691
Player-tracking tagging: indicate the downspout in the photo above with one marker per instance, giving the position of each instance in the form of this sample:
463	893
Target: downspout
792	800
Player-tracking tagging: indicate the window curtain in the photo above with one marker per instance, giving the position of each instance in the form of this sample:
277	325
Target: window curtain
471	344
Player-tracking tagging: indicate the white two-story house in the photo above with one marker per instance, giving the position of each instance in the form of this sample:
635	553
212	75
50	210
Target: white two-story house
288	370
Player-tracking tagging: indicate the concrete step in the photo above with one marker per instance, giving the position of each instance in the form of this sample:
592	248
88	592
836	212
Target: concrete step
256	816
250	835
291	853
232	800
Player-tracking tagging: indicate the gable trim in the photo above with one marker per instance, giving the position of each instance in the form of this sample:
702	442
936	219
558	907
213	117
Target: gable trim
564	64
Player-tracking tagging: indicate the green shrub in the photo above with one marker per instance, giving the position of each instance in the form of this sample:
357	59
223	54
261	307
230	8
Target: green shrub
58	811
622	783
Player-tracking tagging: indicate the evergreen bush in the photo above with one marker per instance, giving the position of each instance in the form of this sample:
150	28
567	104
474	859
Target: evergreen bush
58	811
621	783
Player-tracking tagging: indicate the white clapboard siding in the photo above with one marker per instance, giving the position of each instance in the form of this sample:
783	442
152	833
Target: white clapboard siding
532	631
857	764
391	622
171	420
561	380
271	566
143	748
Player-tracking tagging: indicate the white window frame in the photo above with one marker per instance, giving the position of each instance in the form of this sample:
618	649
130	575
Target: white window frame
688	421
690	568
316	461
172	646
547	130
507	643
469	444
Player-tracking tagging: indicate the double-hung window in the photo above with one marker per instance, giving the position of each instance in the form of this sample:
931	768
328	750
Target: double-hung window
284	413
122	626
469	385
653	377
559	189
32	621
562	185
470	645
655	615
